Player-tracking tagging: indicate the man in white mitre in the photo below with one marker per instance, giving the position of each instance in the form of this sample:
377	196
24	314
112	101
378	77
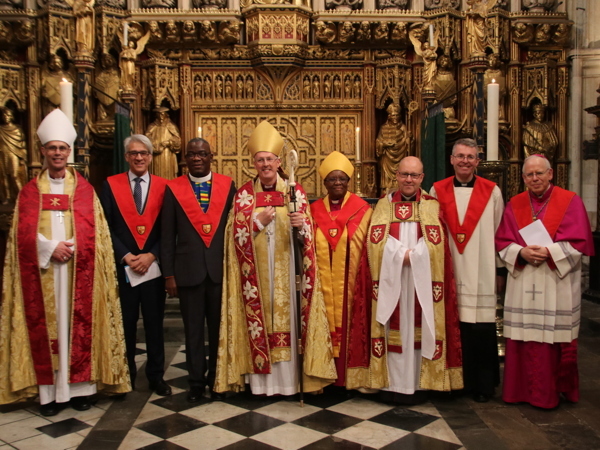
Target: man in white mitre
61	331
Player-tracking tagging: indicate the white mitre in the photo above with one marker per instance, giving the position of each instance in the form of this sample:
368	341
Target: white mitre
56	126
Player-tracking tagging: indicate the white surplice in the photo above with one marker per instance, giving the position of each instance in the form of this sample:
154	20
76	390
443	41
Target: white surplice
61	391
283	379
475	268
543	305
397	284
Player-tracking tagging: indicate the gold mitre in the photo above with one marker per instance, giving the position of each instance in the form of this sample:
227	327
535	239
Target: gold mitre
336	161
265	138
56	126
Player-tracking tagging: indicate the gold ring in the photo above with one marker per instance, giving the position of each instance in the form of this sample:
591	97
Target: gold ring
65	258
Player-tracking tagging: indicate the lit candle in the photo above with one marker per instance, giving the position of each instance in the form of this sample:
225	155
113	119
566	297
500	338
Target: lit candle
66	106
199	132
493	107
125	33
357	139
431	43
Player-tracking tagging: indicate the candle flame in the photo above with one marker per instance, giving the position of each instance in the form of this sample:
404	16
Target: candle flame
65	80
357	129
493	80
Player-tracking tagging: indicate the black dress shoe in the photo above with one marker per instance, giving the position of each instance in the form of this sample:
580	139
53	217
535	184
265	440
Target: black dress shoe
81	403
481	398
195	394
49	409
161	388
217	395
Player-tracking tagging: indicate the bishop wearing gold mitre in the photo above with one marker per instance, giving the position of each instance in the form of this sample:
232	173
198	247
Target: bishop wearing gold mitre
259	318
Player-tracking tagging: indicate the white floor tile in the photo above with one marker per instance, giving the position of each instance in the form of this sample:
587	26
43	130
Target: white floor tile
289	436
213	412
151	412
138	438
43	441
22	429
371	434
426	408
15	416
439	430
287	411
361	408
207	438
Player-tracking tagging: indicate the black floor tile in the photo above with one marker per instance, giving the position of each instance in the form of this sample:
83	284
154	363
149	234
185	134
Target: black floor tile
251	402
140	351
334	443
68	426
180	382
181	365
404	419
163	445
171	426
249	424
178	402
249	444
328	422
328	398
418	442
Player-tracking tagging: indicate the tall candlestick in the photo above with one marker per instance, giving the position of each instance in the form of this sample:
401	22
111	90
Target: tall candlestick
125	34
66	106
493	109
357	139
199	132
431	42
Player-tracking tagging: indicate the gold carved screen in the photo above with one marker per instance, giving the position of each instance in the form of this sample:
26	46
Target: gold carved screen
313	136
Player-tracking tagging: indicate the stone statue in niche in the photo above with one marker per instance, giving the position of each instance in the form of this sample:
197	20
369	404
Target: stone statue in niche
197	88
539	136
207	31
337	87
166	141
171	32
562	34
107	81
13	157
229	32
84	25
445	86
392	144
249	88
155	31
494	72
51	78
346	33
522	33
381	33
542	33
25	32
127	60
399	33
239	88
364	32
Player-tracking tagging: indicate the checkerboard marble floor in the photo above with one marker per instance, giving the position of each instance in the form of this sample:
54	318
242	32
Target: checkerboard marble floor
331	420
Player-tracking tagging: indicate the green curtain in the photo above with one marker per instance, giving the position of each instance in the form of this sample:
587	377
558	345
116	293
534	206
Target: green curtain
122	130
433	145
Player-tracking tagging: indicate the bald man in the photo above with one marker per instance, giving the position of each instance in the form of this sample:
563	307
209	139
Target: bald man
406	280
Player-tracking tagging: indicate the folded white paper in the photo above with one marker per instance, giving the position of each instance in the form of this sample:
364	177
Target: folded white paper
536	234
135	279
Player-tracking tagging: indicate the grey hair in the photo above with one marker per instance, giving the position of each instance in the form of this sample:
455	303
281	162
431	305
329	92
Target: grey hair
548	165
467	142
138	138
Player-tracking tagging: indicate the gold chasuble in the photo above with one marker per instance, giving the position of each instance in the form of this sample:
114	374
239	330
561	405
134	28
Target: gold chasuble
339	238
255	333
368	350
28	326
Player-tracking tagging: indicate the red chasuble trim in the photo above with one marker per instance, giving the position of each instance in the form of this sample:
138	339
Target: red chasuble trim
205	223
559	202
354	206
140	225
55	202
461	233
82	205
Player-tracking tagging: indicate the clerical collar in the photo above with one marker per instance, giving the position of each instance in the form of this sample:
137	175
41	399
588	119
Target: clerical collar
470	184
56	180
203	179
545	194
409	199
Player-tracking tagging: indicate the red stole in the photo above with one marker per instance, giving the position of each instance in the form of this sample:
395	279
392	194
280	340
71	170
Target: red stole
205	223
461	233
333	227
140	225
559	202
82	205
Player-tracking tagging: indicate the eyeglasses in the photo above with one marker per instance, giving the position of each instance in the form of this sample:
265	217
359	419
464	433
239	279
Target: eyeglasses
143	154
405	175
196	155
266	160
462	157
530	175
56	148
335	180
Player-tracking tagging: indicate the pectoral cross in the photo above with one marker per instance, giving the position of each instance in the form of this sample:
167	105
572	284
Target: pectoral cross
60	215
533	292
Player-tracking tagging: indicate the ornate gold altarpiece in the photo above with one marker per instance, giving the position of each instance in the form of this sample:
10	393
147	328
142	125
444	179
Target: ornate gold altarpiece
316	75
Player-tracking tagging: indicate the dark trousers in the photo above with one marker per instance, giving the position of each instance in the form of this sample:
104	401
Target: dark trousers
199	304
481	365
151	297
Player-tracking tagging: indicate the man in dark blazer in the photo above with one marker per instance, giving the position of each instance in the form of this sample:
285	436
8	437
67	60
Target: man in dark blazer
132	202
194	216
